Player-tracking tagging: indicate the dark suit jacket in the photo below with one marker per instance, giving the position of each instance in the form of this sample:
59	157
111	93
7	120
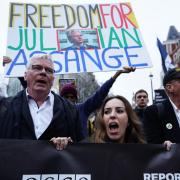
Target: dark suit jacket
160	128
17	122
140	113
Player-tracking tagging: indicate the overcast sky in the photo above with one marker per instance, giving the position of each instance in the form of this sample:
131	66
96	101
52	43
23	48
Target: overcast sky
154	18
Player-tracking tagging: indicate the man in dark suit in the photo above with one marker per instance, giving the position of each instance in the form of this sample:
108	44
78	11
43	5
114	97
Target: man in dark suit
38	113
162	121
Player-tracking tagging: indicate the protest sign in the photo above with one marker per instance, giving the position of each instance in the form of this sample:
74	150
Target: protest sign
160	96
108	34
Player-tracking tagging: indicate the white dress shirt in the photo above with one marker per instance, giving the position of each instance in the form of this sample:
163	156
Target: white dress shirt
42	116
177	111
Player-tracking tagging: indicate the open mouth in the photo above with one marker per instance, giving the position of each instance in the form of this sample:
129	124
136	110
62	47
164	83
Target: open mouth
41	81
113	129
113	125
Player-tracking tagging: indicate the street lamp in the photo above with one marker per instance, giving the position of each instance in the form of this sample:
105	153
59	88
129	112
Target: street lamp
151	79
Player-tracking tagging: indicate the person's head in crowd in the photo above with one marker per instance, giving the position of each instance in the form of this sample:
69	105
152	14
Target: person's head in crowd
171	83
117	122
141	99
75	37
39	76
69	92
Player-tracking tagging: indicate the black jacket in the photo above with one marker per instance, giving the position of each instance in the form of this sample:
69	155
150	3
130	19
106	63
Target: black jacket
16	121
159	128
140	113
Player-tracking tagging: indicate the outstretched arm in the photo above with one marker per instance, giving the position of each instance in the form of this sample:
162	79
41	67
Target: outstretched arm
95	101
126	69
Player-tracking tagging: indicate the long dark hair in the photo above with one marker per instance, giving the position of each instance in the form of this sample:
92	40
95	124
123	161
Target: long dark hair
133	132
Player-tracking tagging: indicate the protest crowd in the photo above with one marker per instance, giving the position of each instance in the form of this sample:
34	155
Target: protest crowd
37	112
65	121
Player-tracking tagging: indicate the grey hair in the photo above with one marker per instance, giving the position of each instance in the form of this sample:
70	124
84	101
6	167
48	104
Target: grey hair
69	34
44	57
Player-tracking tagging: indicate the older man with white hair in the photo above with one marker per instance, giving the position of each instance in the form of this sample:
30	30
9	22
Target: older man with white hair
37	112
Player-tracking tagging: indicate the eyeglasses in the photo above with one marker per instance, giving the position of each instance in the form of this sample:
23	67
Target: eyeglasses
39	68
